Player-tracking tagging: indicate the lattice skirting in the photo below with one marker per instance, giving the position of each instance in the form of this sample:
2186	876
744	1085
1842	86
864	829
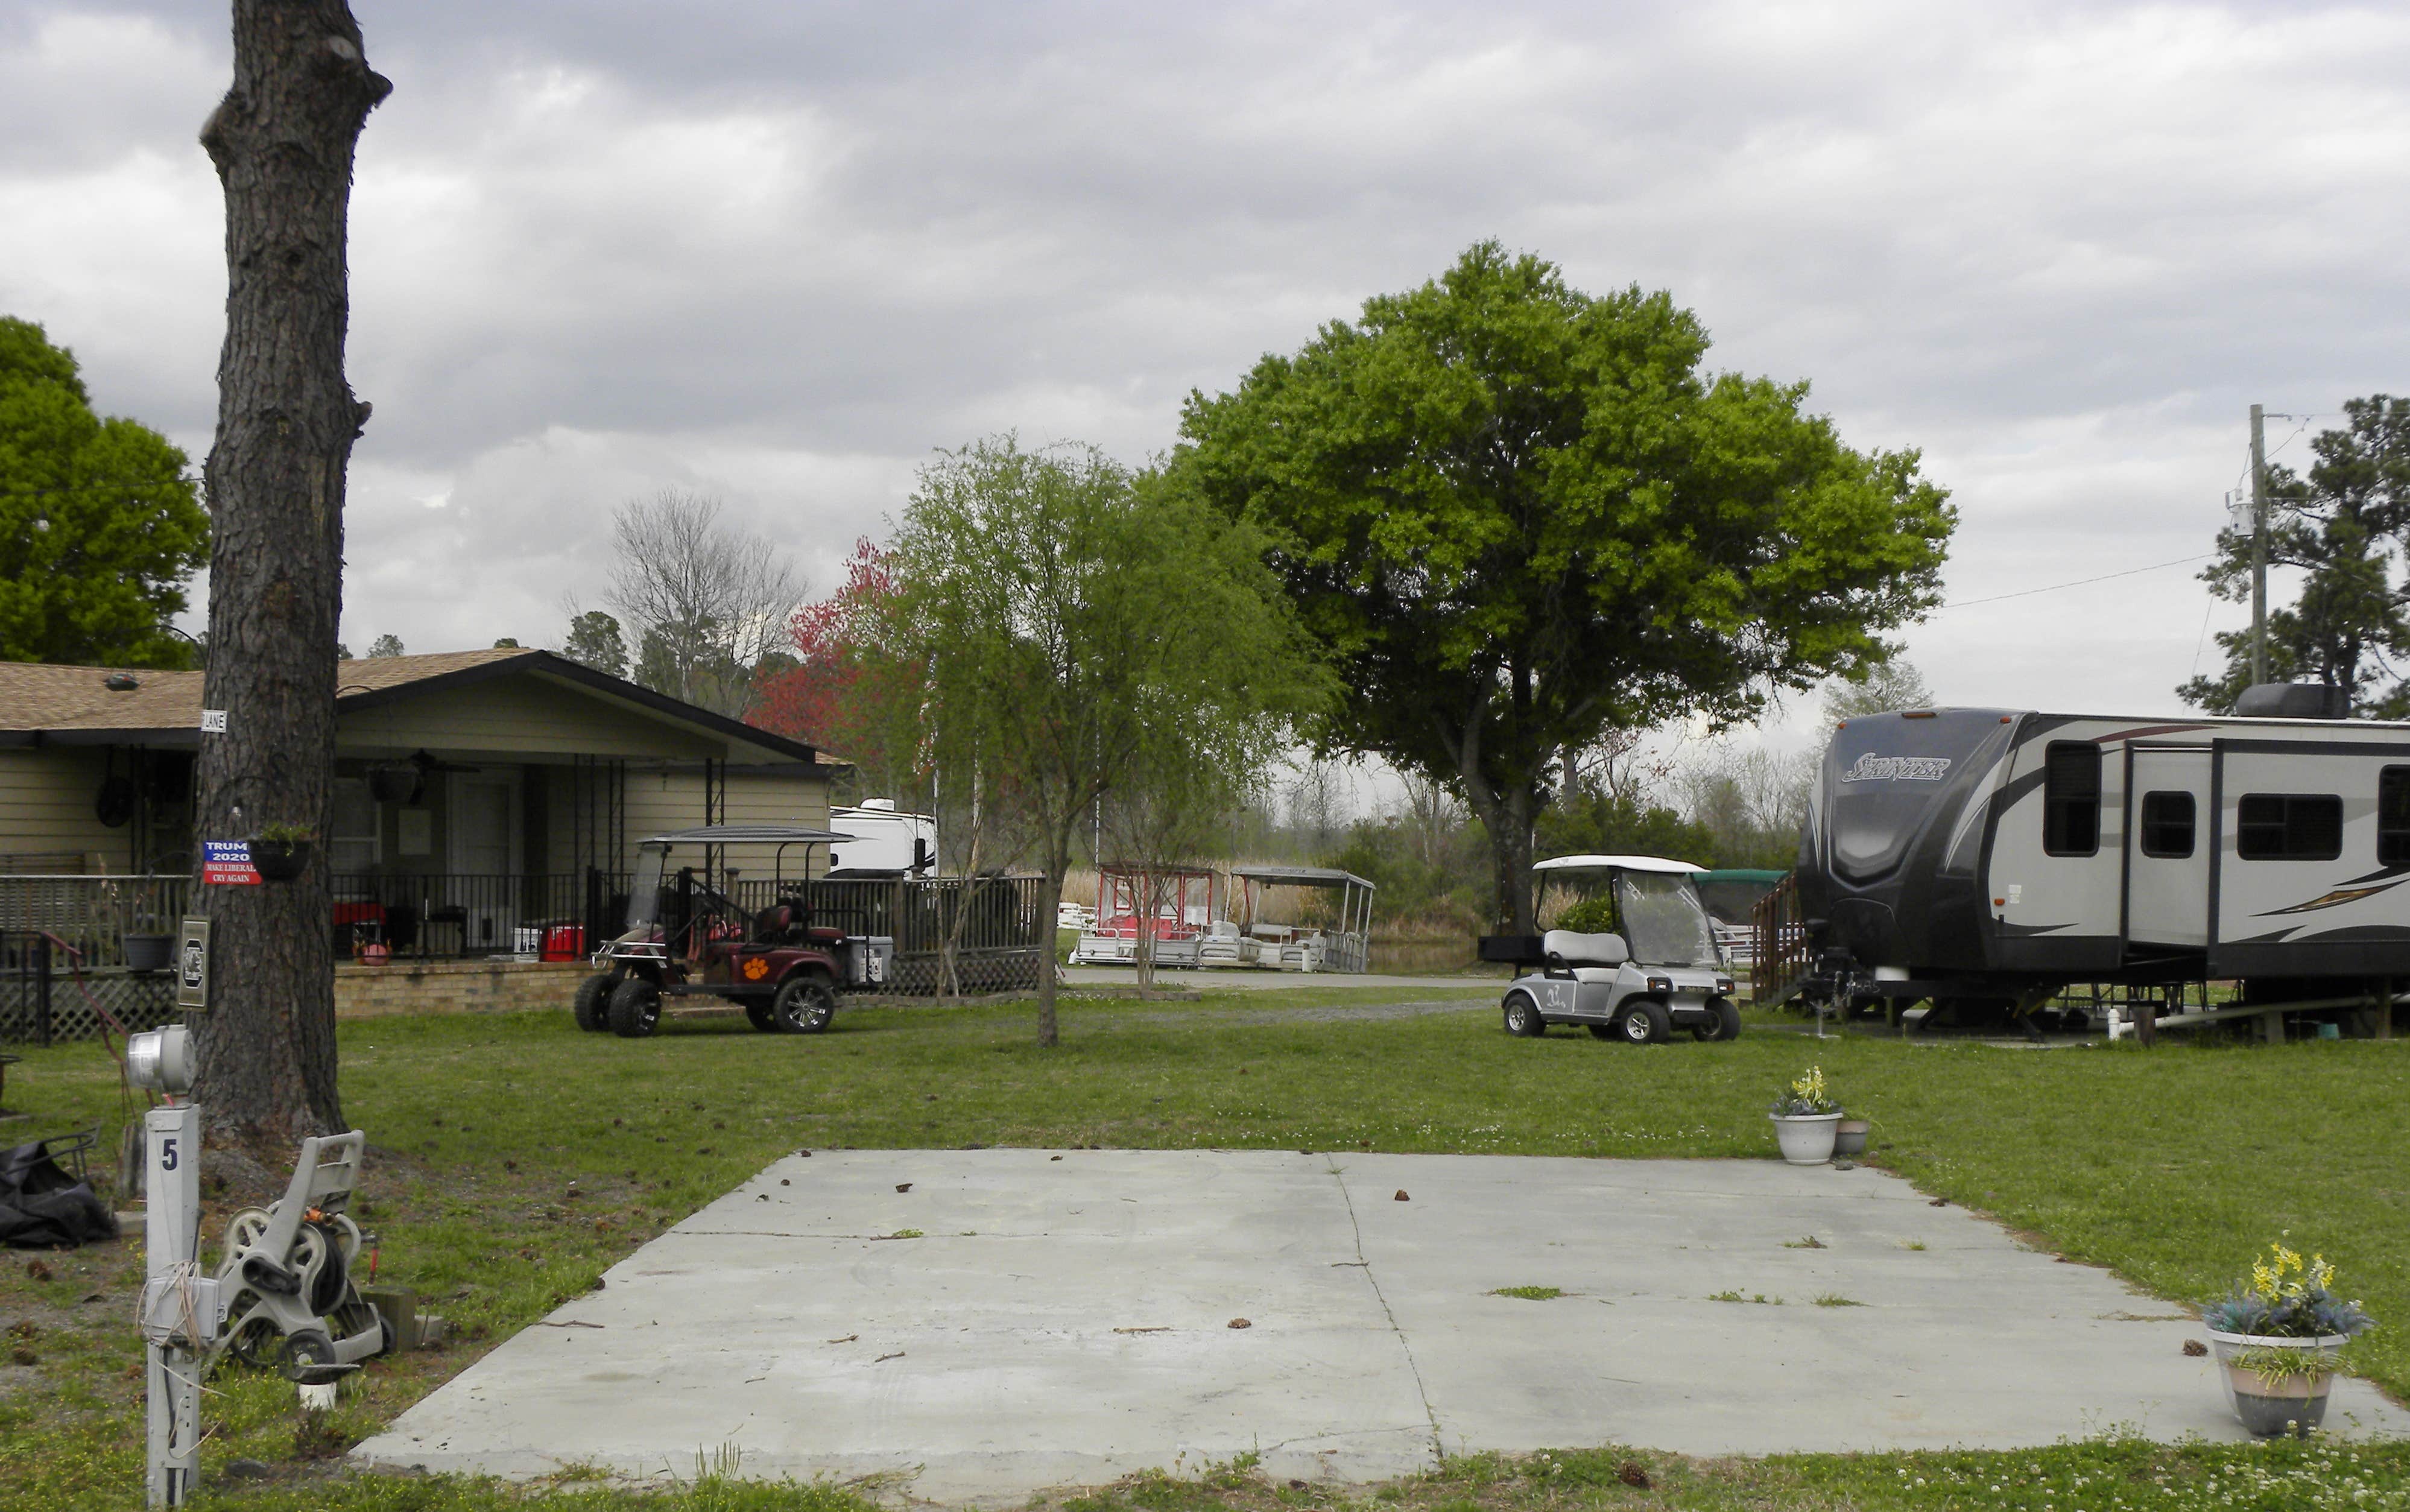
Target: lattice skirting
143	1001
1013	969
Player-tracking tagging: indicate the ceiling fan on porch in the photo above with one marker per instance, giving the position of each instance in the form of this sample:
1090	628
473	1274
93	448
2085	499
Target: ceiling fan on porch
405	781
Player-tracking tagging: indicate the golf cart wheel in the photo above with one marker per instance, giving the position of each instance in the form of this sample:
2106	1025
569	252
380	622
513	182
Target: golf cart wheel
1603	1031
1523	1019
1724	1026
1644	1022
804	1005
635	1008
759	1015
308	1358
592	1006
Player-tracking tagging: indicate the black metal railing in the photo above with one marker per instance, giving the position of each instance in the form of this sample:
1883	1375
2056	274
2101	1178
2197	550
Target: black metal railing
454	915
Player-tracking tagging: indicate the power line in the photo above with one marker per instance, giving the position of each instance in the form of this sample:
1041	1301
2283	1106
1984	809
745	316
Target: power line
2026	592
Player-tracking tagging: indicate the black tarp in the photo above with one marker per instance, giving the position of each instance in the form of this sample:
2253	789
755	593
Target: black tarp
44	1207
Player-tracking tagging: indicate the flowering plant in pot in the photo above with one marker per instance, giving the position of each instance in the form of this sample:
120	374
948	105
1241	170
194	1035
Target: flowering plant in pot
2277	1335
1806	1120
279	850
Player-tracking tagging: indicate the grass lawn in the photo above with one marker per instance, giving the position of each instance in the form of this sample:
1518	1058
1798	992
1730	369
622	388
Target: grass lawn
514	1159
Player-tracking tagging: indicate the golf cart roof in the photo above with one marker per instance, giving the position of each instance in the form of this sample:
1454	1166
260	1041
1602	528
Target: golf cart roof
747	835
1301	876
1616	862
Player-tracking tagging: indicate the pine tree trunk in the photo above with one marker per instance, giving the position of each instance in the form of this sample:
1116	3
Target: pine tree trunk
282	141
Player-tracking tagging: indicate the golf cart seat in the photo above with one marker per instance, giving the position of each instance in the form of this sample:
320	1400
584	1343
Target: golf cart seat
1589	957
781	923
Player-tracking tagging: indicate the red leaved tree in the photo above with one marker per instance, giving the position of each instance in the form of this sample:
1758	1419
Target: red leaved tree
848	696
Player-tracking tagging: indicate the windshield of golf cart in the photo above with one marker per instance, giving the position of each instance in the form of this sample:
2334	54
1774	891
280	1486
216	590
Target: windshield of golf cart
644	889
1664	921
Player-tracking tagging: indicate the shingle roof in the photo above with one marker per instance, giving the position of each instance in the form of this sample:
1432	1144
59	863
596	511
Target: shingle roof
75	704
33	696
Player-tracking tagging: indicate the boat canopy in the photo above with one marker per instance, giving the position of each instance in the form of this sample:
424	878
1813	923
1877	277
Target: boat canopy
1616	862
1302	877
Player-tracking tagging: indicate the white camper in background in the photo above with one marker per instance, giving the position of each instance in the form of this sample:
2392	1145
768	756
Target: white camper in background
1975	853
883	840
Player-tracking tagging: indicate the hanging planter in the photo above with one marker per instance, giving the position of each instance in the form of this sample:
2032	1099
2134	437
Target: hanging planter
280	851
398	784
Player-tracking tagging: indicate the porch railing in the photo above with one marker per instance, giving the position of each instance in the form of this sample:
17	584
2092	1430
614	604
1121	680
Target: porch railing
998	940
90	915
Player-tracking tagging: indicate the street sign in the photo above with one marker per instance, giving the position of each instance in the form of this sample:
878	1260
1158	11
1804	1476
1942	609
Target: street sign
228	864
213	721
192	966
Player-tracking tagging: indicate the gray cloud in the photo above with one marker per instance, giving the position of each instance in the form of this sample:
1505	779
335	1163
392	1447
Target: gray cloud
781	251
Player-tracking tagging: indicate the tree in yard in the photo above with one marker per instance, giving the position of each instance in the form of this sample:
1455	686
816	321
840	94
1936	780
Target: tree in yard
1072	622
703	599
282	141
595	641
1195	762
1890	685
845	693
384	646
2346	526
101	525
1519	517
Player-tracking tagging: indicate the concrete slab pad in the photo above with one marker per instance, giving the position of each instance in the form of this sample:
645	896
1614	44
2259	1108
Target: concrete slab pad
1063	1317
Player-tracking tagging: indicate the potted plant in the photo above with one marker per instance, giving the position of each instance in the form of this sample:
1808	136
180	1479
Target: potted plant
146	942
2277	1335
279	850
1850	1137
1806	1120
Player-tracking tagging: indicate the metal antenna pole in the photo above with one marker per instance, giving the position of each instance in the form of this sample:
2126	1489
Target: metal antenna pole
2258	546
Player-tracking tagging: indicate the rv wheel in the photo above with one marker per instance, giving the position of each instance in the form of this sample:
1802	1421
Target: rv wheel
1724	1026
805	1005
592	1006
1523	1019
1644	1022
635	1008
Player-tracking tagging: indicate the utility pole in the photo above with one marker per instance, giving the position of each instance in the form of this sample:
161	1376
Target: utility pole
2258	546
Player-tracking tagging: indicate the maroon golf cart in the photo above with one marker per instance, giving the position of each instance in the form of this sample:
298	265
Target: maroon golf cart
687	935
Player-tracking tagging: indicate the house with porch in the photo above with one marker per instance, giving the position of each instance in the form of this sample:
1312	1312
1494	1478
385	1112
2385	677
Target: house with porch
482	798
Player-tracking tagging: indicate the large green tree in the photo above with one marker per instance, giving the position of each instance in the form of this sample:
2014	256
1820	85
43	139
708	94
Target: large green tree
1074	624
102	528
1519	517
2346	525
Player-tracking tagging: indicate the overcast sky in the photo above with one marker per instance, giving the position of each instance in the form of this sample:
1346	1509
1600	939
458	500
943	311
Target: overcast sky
778	251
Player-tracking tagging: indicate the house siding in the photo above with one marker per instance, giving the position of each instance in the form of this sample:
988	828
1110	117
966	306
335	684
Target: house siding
45	806
659	801
519	717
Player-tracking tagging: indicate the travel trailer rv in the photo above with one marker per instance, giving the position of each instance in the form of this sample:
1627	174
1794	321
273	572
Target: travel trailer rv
882	840
1999	854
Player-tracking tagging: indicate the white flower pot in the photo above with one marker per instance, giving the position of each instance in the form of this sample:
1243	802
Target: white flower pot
2266	1408
1807	1138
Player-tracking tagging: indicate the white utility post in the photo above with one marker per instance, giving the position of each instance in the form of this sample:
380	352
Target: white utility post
180	1308
2258	546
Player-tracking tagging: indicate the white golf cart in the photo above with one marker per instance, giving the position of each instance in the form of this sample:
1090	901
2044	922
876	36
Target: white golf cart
1656	971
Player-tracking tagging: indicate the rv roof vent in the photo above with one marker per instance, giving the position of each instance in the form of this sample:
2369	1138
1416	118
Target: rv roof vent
883	806
2293	701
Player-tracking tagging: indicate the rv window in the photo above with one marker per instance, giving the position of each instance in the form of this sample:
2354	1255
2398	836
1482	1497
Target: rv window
2393	816
2167	825
2071	813
2289	827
